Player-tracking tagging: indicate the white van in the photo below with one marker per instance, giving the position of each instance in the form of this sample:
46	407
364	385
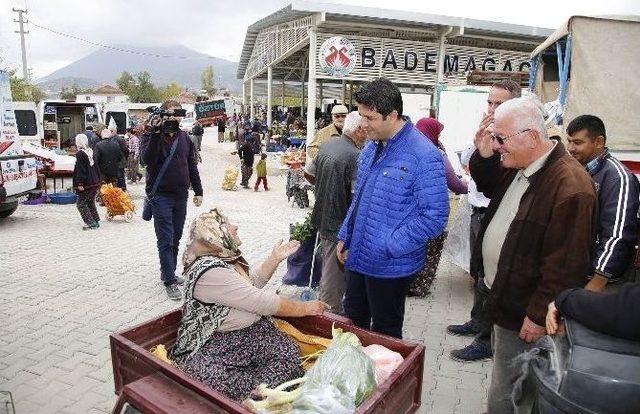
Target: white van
61	121
126	114
18	174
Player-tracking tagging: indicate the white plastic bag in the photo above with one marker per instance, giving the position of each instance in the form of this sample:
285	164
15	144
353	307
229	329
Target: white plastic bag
456	247
385	361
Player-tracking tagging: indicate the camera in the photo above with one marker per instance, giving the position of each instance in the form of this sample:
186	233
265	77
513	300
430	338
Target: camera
168	126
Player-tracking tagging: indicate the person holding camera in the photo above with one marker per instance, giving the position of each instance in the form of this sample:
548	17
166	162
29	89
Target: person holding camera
162	143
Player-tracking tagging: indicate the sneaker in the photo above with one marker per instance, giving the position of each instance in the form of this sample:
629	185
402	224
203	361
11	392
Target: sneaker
179	280
466	329
87	227
173	292
475	352
95	225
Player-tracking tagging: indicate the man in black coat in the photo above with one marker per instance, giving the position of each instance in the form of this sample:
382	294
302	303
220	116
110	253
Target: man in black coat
108	156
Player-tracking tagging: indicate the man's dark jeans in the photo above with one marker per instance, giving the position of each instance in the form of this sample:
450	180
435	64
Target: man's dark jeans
169	213
376	303
480	290
478	317
121	180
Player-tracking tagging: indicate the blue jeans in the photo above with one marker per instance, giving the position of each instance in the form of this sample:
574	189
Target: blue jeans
169	213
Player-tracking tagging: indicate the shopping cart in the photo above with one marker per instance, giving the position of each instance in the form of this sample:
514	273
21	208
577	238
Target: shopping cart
117	202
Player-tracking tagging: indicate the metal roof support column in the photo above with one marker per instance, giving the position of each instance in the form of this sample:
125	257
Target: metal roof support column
441	53
269	93
302	96
344	92
244	96
350	95
251	101
283	94
311	100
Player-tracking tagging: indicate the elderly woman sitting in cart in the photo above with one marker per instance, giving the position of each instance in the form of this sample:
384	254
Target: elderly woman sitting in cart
224	339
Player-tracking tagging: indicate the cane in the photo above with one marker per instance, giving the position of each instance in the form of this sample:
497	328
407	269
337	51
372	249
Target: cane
309	293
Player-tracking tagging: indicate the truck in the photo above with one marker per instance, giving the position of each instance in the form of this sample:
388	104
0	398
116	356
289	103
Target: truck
590	65
18	174
209	112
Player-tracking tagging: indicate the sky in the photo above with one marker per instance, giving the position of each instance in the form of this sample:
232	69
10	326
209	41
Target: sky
218	27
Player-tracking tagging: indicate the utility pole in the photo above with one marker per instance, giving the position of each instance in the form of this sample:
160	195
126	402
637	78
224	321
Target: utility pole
21	21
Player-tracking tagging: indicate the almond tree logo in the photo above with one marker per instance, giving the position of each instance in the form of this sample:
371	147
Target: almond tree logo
337	56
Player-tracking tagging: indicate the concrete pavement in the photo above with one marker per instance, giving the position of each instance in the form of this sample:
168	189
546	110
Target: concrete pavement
63	291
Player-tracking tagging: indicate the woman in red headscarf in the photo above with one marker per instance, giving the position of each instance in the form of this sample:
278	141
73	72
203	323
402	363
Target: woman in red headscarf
431	129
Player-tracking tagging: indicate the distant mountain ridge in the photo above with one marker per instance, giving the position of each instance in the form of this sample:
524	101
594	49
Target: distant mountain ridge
104	66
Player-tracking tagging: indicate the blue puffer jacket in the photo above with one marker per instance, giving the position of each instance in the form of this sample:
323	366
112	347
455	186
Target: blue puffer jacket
400	202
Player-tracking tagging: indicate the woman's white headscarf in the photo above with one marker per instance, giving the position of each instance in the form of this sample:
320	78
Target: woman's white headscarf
82	143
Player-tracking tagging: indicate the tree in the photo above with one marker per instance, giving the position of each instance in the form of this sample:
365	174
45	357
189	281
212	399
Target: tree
171	91
208	81
23	90
126	82
146	91
69	94
138	88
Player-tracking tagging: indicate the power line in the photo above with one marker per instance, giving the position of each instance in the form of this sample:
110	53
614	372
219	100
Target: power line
117	49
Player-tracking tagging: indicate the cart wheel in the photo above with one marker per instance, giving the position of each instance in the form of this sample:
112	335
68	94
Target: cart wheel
109	217
128	215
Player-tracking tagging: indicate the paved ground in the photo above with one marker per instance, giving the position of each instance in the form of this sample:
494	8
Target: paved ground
64	290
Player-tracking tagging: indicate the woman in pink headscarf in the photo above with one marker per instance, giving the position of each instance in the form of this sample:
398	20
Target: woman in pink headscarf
421	284
431	128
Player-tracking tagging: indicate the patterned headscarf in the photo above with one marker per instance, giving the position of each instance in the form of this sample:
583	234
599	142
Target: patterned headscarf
208	236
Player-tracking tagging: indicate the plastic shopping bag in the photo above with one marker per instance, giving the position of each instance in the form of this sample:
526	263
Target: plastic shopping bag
456	247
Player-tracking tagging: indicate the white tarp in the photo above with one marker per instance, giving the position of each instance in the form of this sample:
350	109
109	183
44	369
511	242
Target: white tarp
604	76
60	162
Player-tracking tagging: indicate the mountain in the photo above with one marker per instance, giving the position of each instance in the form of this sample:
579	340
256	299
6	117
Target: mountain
184	66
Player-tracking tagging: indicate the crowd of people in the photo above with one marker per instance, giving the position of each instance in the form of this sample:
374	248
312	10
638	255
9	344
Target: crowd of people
553	230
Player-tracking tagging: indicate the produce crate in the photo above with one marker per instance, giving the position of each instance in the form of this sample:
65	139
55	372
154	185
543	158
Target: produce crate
140	372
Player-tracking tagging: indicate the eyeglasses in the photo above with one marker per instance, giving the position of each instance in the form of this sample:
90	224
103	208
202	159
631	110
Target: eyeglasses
340	115
502	140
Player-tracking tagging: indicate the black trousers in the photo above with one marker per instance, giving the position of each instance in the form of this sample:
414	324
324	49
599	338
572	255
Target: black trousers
478	317
376	303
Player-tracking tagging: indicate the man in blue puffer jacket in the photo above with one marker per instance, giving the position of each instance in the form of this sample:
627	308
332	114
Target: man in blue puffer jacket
400	203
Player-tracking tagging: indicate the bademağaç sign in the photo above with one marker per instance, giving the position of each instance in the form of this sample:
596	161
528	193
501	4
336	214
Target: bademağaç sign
414	62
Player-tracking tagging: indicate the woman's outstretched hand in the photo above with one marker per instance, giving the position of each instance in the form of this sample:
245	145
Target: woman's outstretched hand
283	250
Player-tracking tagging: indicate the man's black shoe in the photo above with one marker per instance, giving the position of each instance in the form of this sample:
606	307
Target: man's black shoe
466	329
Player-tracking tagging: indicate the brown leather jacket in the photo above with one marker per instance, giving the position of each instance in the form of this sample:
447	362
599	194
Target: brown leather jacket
548	246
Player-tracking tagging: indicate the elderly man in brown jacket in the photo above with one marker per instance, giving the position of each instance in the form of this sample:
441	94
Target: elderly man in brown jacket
536	236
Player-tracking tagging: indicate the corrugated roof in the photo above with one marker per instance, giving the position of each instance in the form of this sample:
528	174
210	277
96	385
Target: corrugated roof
384	17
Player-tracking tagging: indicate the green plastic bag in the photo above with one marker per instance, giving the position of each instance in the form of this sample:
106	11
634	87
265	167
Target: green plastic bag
339	381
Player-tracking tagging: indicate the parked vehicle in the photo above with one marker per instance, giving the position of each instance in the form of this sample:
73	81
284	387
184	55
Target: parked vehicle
61	121
187	123
590	65
209	112
126	114
18	174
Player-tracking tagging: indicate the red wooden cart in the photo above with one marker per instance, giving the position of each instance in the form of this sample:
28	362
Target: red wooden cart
154	386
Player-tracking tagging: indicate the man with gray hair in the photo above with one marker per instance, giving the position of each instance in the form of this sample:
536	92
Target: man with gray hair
536	236
334	172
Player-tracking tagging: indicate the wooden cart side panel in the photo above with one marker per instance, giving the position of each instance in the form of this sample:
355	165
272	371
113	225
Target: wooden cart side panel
134	362
401	393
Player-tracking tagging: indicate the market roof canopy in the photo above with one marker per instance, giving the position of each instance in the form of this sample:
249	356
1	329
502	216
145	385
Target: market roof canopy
281	41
